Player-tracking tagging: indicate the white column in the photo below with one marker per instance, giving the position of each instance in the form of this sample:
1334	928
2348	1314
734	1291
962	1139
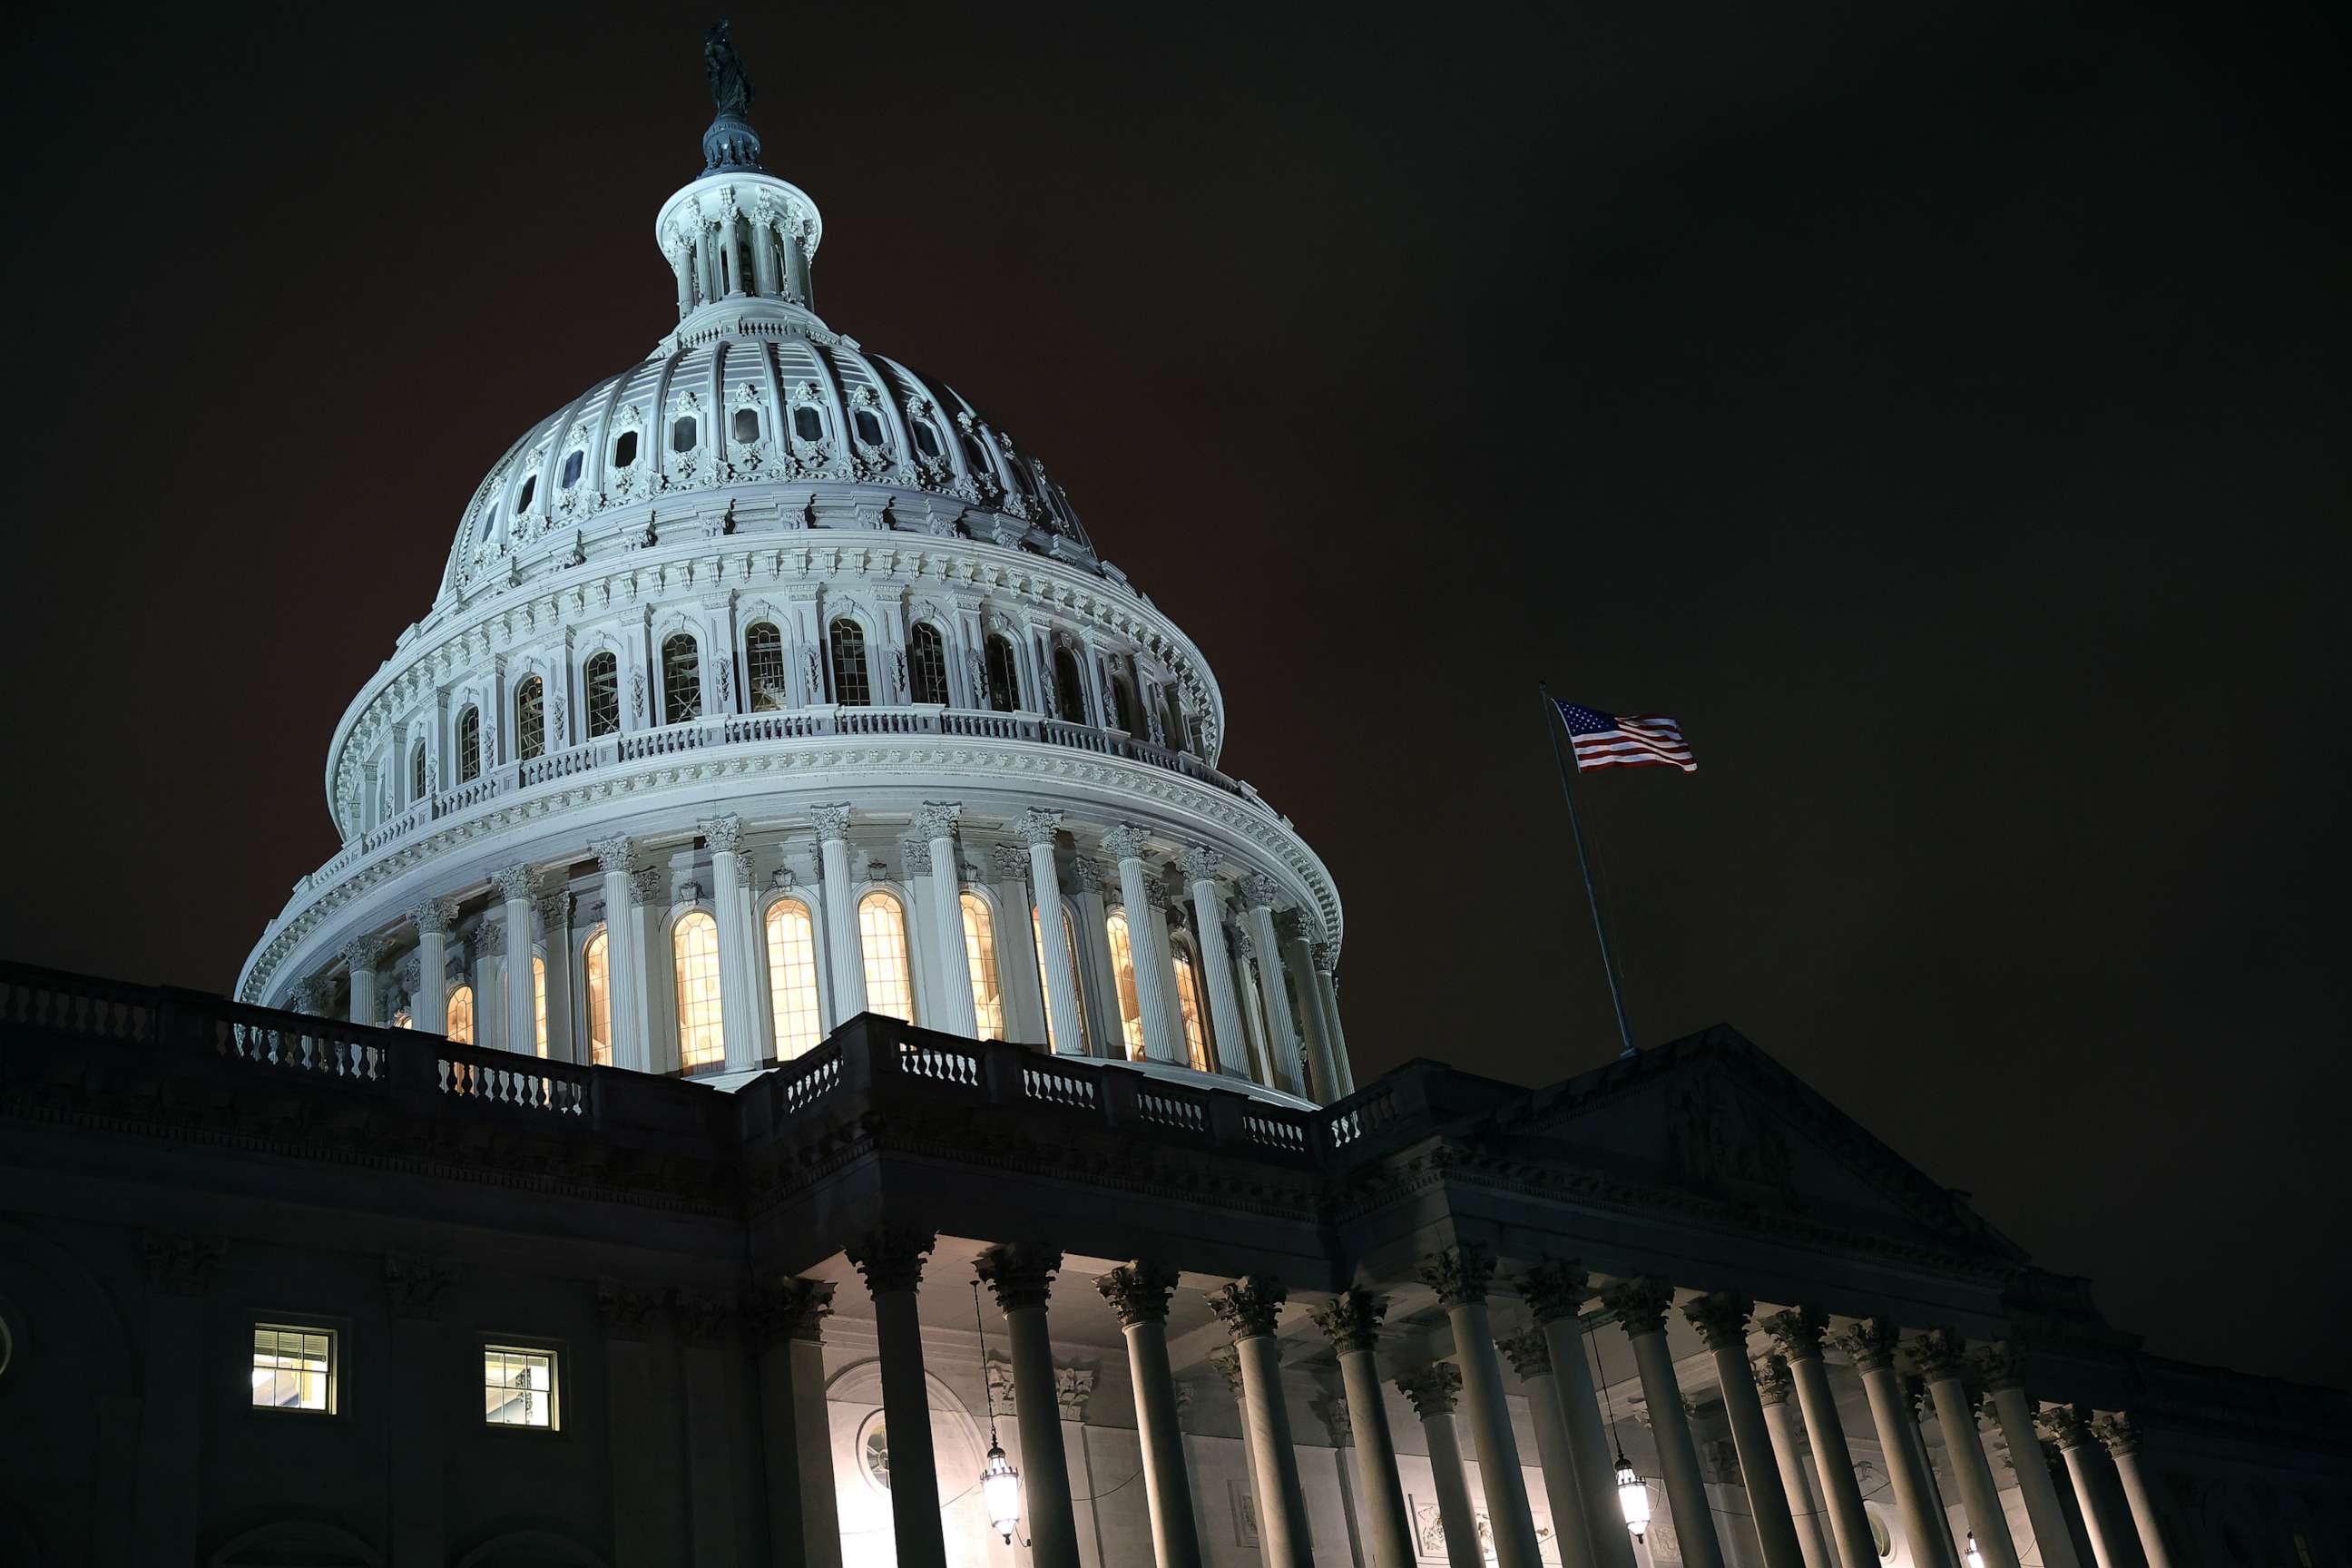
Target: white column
1139	1293
1797	1335
1774	1386
1641	1308
1460	1276
2080	1449
1164	960
1721	1319
1248	1309
1351	1322
359	958
1039	830
1202	867
1326	960
1433	1389
1297	953
521	1033
2123	1442
555	935
2002	1367
1531	1356
891	1260
936	825
1282	1048
624	964
842	944
1023	1278
1872	1342
799	1442
1555	1293
485	971
431	1009
744	1005
1941	1354
1018	984
1126	842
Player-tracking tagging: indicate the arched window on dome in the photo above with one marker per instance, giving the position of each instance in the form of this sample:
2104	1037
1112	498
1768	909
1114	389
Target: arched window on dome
469	745
603	679
1003	674
1044	987
682	678
889	980
682	434
744	427
694	948
530	719
808	424
625	449
1176	739
763	667
851	687
416	773
1069	686
1190	1005
926	664
792	978
539	1002
461	1015
975	451
522	499
1122	968
574	462
596	989
869	426
926	439
1123	705
980	955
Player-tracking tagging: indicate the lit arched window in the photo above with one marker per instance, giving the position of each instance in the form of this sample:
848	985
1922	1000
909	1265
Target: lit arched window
1003	675
851	688
682	678
882	930
926	664
1122	967
1044	987
791	977
417	772
596	970
530	719
603	681
461	1014
538	1002
1188	1003
763	667
694	943
469	745
980	952
1069	687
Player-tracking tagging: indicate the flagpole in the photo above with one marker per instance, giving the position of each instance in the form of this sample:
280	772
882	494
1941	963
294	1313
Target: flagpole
1553	725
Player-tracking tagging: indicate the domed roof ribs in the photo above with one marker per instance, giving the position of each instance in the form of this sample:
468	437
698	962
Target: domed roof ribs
600	439
902	443
931	395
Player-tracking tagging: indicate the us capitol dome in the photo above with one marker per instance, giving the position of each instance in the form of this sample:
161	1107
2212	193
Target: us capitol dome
771	682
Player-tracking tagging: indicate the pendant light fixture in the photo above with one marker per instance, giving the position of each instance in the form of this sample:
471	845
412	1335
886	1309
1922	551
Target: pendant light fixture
1975	1559
1000	1483
1633	1495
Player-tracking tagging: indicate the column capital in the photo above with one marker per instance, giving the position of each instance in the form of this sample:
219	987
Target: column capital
1199	863
1009	862
1721	1319
832	821
1999	1365
1039	828
1433	1389
1323	957
514	883
1871	1342
1555	1288
1774	1382
1126	842
1228	1363
433	916
182	1265
2062	1424
645	888
1138	1292
627	1312
1640	1305
723	834
1460	1273
916	853
795	1310
362	952
1797	1332
1940	1353
1530	1355
938	818
1262	891
416	1283
1351	1320
890	1256
1022	1275
2118	1433
615	856
1249	1306
554	909
702	1317
1072	1387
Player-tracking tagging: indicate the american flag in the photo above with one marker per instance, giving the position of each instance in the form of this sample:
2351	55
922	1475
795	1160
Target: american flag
1624	739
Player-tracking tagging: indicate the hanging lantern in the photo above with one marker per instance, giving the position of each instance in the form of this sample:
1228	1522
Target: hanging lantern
1632	1497
1975	1561
999	1488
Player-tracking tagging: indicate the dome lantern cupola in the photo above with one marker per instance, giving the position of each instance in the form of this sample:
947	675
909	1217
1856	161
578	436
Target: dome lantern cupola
737	234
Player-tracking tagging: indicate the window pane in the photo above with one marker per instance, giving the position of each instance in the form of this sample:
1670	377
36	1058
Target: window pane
1070	687
807	423
1044	986
624	450
882	930
596	964
763	669
694	941
573	463
747	425
792	978
517	1387
850	685
927	440
539	1000
681	435
469	745
681	680
869	428
926	664
522	497
1004	676
530	719
980	952
1122	964
1188	1003
293	1368
604	695
461	1014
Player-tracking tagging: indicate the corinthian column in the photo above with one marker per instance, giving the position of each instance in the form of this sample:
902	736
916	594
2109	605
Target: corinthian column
1460	1276
624	956
1023	1278
359	958
1139	1293
1872	1343
1721	1319
431	1007
515	898
936	825
1325	957
2001	1367
2077	1446
1126	843
842	944
1640	1306
2122	1440
1248	1307
1555	1292
1942	1357
1773	1387
891	1260
1433	1391
1040	830
1200	866
1797	1335
1531	1357
744	1003
1351	1322
1282	1048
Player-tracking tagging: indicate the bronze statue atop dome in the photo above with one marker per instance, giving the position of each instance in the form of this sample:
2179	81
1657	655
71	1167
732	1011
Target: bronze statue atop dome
731	87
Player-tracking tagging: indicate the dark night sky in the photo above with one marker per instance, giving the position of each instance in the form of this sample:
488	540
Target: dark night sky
1941	408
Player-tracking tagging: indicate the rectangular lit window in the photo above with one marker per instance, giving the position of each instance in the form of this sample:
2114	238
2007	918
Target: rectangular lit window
519	1387
293	1368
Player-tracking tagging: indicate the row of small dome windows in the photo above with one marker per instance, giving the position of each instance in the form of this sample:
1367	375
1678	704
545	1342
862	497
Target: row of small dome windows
769	684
